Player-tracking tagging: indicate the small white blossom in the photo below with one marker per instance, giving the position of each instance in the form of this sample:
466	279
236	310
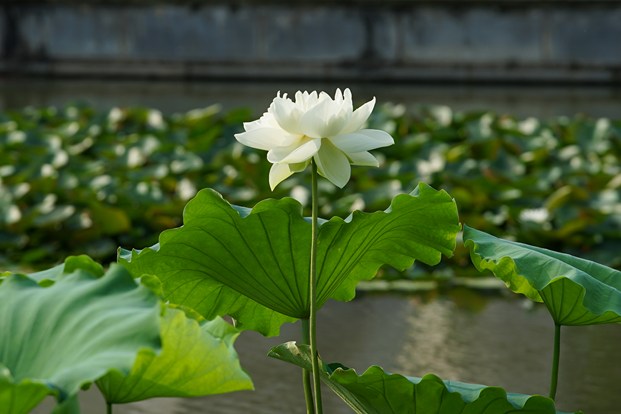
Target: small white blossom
316	127
535	215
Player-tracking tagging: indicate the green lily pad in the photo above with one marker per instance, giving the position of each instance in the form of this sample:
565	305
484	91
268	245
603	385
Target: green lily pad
576	291
56	339
196	360
225	258
378	392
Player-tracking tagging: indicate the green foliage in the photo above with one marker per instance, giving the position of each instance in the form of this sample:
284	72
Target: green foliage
75	181
59	338
576	291
224	257
71	264
197	359
82	181
554	183
377	392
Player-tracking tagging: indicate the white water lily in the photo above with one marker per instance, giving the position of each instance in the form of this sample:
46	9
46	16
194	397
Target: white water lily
315	127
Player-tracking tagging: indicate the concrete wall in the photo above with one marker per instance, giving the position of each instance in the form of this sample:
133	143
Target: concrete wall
564	41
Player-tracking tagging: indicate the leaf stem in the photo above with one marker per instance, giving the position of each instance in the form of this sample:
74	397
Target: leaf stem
555	360
313	293
306	374
108	408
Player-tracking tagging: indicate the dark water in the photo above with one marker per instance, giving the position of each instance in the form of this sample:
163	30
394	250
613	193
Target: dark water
178	96
464	335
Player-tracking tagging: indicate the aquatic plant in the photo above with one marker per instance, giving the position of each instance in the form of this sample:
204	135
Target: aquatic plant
269	265
76	180
154	324
70	326
576	292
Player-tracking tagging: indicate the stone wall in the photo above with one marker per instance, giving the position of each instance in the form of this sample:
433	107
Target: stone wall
515	41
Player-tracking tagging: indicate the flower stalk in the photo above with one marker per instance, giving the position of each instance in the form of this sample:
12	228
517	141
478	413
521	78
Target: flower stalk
313	292
307	381
555	360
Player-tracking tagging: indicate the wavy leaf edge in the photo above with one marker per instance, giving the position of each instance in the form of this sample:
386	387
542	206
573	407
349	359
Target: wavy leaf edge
337	374
603	311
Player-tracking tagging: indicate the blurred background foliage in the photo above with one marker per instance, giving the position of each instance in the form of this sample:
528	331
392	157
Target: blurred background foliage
78	180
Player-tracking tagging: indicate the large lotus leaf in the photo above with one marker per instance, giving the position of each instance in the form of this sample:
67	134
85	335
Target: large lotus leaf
422	225
206	296
576	291
378	392
71	264
55	339
196	360
225	257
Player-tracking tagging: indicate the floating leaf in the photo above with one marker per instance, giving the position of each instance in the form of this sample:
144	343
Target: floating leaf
504	158
112	220
196	360
378	392
225	255
56	339
576	291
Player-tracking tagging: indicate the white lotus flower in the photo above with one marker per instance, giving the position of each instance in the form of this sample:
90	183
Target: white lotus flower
316	127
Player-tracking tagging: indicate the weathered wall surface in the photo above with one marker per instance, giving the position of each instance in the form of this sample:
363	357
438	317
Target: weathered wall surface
413	40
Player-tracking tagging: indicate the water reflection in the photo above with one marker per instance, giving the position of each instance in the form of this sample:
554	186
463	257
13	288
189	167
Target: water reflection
464	335
502	345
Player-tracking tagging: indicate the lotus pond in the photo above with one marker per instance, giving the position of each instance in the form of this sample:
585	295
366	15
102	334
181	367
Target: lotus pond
79	180
75	180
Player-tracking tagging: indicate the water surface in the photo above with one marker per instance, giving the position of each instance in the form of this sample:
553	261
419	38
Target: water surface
464	335
180	96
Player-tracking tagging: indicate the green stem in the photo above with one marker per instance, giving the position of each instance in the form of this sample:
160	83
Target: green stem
108	408
306	374
555	360
313	295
